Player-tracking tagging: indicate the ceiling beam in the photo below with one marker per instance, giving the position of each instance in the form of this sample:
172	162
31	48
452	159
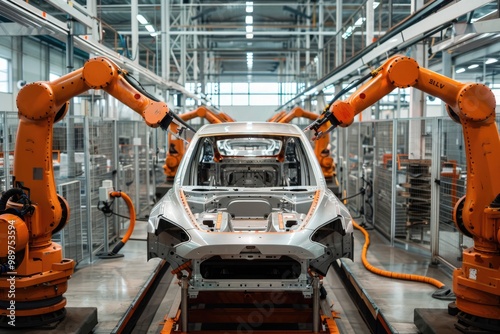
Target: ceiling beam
238	33
72	9
17	29
24	13
394	40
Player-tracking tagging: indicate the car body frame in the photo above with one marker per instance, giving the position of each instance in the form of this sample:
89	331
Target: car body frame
250	210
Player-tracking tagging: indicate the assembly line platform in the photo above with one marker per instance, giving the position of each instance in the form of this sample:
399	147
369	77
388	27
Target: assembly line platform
116	287
388	305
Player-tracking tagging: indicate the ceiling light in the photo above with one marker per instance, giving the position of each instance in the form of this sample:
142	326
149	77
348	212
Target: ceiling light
348	32
249	54
249	8
460	70
249	36
249	28
249	19
491	61
150	28
359	22
141	19
470	67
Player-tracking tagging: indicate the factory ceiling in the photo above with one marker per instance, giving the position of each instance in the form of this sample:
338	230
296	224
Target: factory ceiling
220	40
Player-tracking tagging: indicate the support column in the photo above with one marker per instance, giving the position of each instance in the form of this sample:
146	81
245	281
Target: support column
95	33
417	102
389	5
165	40
6	152
88	184
366	115
134	8
308	37
183	69
297	59
338	37
435	195
137	180
70	121
149	167
115	168
447	65
17	74
394	177
195	62
321	52
370	22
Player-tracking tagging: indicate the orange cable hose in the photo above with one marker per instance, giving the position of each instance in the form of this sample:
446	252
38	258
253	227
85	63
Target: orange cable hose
131	211
391	274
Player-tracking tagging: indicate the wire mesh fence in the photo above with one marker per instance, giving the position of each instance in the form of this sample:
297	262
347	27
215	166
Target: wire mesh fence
405	159
86	151
71	237
452	187
397	158
8	130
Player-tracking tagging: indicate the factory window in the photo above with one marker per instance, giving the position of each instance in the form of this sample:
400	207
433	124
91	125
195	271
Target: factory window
53	76
264	88
224	88
264	100
4	75
240	88
190	102
250	94
240	100
225	100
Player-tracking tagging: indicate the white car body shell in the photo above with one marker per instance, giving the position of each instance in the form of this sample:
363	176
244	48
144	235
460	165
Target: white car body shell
251	231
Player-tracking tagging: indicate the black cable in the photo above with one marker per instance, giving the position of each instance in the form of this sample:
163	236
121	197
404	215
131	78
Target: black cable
108	212
177	118
121	216
137	85
350	86
327	114
106	208
352	196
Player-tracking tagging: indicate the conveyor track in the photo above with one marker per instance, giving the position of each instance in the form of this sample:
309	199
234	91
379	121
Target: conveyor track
276	312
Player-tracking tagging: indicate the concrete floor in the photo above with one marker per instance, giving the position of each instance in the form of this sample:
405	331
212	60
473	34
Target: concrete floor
112	285
396	299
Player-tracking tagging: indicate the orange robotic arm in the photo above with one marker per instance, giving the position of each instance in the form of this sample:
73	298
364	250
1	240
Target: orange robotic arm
177	148
321	149
477	283
276	117
225	117
33	207
40	105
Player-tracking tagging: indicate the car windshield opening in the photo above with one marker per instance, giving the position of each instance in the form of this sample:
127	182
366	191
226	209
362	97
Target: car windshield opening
249	161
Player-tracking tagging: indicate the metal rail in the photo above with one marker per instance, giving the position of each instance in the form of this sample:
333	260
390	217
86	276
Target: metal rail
435	15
